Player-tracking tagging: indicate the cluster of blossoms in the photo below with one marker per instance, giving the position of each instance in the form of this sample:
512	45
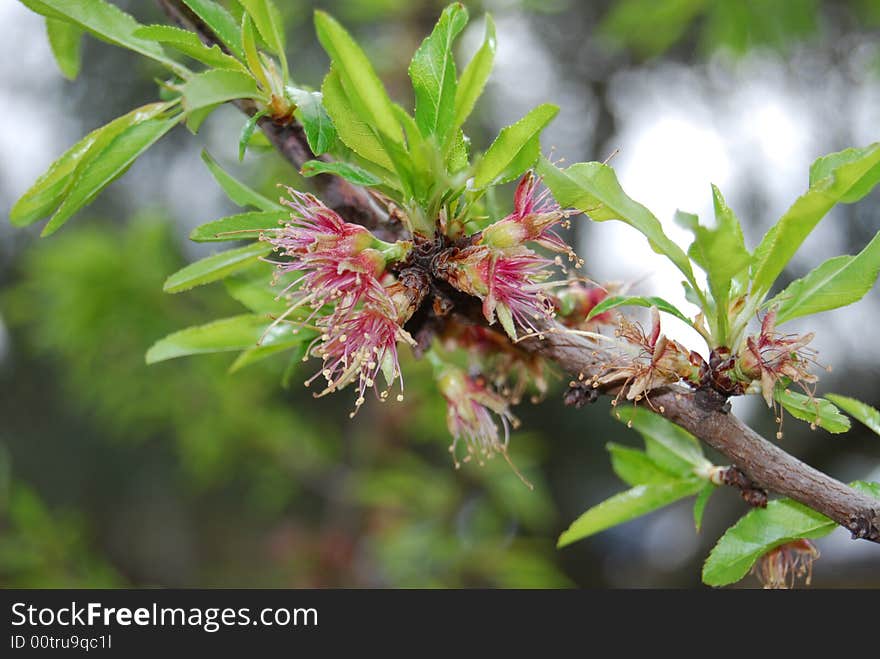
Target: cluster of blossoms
341	278
500	269
359	293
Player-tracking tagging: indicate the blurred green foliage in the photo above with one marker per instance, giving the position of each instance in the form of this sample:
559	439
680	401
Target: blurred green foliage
336	501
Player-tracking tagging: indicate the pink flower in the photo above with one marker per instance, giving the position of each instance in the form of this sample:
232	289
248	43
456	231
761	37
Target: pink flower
533	219
342	275
507	281
360	347
469	414
314	227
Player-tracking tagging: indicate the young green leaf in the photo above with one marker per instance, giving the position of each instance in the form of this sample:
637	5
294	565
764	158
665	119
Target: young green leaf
681	452
349	172
756	533
433	75
105	167
319	129
510	142
52	186
721	252
65	39
628	505
816	411
251	54
354	132
368	98
473	78
216	86
247	132
700	503
837	282
858	410
189	44
763	529
843	178
106	22
298	342
824	167
268	21
214	267
237	227
221	23
592	188
637	301
235	333
635	467
252	288
237	191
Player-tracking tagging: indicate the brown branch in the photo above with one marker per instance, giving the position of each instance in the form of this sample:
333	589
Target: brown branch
355	204
760	465
704	415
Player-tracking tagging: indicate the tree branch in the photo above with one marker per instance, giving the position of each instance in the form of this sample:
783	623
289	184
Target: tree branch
762	464
353	203
704	415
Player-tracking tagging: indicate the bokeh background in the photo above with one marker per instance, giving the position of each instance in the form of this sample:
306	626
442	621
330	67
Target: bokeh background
113	473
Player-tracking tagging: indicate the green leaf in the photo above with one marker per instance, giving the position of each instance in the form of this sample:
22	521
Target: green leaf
635	467
637	301
355	133
700	503
763	529
247	132
319	129
108	165
251	54
65	39
268	21
349	172
235	333
592	188
238	227
106	22
298	342
52	186
628	505
221	23
510	142
858	410
843	178
218	86
214	267
681	453
816	411
433	75
721	252
756	533
824	167
253	288
524	160
237	191
189	44
837	282
473	78
362	86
